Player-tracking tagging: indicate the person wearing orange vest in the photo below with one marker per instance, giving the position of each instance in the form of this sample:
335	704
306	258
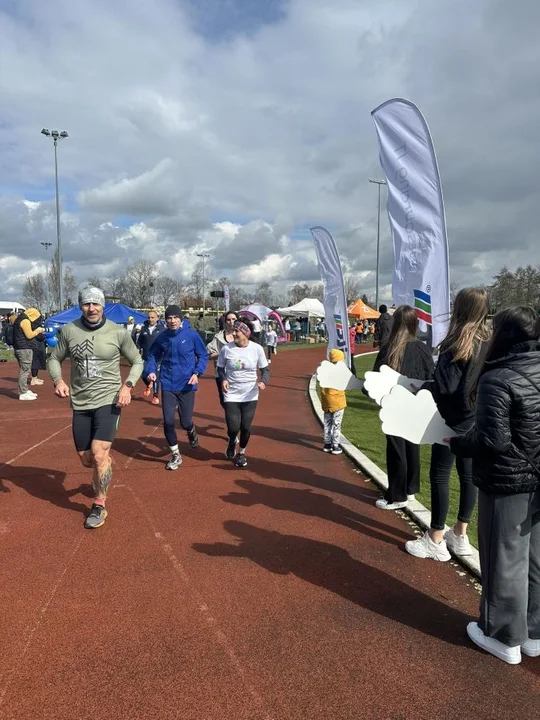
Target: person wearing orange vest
333	404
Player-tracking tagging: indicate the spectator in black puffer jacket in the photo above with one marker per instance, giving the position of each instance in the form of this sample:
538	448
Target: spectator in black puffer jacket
505	447
461	358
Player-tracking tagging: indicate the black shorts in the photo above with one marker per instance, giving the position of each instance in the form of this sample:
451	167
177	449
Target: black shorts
98	424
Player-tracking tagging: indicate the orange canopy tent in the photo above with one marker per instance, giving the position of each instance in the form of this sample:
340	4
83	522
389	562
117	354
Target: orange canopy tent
362	311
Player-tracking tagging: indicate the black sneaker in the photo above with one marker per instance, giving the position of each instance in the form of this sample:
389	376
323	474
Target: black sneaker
175	462
336	450
193	438
230	452
327	447
240	460
96	517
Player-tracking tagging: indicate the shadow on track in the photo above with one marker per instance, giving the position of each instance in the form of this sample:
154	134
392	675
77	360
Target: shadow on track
46	484
333	569
309	503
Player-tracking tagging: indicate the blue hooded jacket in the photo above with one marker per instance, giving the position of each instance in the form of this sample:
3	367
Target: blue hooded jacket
181	354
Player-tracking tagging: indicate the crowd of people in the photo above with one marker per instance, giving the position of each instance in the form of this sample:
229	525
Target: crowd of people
486	385
485	382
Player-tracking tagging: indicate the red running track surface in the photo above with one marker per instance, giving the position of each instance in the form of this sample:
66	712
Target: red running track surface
275	592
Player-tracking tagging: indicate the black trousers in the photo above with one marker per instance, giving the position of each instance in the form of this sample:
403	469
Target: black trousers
442	461
219	383
184	401
239	416
402	468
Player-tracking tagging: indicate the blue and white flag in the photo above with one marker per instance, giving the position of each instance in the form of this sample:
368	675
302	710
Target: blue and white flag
416	214
334	300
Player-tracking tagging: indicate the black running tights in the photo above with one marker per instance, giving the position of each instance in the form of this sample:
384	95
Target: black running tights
239	416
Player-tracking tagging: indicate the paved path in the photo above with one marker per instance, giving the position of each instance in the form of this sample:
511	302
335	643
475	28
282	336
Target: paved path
275	592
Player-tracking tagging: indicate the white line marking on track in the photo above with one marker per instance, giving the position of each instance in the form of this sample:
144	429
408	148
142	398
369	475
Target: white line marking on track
203	608
35	446
37	622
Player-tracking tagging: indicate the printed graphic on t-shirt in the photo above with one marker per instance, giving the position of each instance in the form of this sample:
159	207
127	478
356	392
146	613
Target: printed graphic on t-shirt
88	365
241	366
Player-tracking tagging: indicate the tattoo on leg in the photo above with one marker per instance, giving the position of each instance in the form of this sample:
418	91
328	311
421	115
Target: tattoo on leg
104	480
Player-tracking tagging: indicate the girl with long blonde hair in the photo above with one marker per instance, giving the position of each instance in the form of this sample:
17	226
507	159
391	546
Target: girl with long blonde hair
460	361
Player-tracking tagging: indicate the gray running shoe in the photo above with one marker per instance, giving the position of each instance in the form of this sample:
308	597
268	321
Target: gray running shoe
175	462
96	517
193	438
240	460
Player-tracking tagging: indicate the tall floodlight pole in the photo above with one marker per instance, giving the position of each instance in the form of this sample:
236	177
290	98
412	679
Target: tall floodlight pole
47	245
203	255
378	183
56	136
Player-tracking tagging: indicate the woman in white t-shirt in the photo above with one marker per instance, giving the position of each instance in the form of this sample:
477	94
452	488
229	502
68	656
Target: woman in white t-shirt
238	365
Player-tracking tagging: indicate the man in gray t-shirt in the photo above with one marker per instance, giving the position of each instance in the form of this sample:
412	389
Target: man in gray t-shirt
95	346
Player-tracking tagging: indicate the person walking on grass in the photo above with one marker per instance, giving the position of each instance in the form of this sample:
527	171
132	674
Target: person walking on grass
333	404
26	329
149	332
461	358
238	365
409	356
95	347
181	355
220	339
505	448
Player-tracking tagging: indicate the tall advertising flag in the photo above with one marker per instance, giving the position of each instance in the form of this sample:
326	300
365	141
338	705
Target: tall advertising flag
226	297
334	300
416	214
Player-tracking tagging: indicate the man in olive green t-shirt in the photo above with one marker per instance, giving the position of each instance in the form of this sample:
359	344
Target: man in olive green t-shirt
95	346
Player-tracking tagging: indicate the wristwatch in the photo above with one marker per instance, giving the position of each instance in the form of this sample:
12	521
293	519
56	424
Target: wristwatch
128	384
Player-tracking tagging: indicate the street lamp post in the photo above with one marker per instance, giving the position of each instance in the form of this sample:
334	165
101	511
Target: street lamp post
56	135
203	255
47	245
378	183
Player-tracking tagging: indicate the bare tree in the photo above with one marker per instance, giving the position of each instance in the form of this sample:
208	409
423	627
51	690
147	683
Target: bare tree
299	292
35	292
167	291
70	287
264	294
113	287
352	287
198	283
139	283
95	281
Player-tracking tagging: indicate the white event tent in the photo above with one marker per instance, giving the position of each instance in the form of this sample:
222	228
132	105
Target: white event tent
308	307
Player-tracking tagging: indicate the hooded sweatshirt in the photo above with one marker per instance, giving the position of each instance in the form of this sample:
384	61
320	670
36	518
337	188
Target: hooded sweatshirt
23	333
333	400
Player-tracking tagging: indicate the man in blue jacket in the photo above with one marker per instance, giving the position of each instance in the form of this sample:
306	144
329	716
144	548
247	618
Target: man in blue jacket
183	358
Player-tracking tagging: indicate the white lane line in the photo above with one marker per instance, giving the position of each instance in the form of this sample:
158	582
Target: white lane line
203	608
37	623
35	446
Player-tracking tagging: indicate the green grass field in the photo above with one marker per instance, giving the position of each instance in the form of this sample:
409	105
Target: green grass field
361	425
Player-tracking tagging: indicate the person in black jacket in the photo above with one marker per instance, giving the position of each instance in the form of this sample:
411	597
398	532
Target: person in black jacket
505	447
383	327
144	341
409	356
461	358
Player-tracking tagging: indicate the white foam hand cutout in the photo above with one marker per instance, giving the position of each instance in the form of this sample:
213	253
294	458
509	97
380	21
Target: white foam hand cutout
413	417
337	376
379	384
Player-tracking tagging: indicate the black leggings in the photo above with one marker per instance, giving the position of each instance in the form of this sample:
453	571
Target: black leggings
402	468
239	416
442	460
170	402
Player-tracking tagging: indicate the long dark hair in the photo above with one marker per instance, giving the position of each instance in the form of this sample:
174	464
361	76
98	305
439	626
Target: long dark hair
511	327
468	324
404	329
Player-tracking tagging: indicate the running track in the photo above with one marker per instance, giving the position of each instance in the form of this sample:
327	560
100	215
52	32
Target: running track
276	592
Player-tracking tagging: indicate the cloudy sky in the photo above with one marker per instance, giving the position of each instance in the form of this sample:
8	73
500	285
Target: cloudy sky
235	125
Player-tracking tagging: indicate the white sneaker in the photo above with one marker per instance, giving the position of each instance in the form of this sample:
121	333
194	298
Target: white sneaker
411	498
383	504
458	543
531	648
510	655
424	547
28	396
36	381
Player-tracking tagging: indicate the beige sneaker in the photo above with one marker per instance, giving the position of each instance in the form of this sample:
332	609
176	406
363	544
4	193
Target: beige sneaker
36	381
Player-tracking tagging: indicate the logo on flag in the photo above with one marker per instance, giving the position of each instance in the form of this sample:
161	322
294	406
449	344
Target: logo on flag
422	305
339	324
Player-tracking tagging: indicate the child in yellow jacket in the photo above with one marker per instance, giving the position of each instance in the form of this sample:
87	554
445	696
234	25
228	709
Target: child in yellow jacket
333	404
